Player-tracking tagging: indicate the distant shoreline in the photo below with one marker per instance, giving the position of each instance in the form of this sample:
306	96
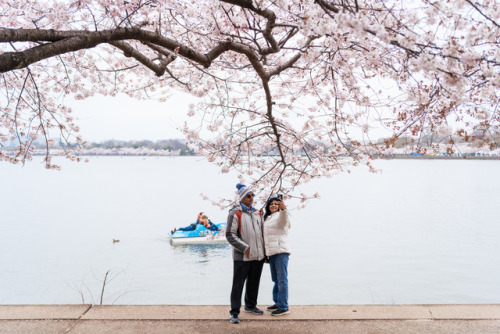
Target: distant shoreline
377	157
435	157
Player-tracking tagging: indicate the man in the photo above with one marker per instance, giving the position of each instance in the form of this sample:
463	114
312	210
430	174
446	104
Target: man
244	233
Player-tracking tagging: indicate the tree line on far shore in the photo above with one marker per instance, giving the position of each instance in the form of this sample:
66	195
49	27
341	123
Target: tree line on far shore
171	145
164	144
168	146
179	146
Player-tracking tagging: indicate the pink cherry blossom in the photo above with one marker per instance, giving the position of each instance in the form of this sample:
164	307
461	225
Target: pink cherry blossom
291	90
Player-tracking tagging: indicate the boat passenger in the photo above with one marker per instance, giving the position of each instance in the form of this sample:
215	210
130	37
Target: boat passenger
202	220
198	219
191	227
208	223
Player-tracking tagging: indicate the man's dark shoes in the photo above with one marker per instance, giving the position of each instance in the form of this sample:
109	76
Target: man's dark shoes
234	319
272	308
254	310
279	312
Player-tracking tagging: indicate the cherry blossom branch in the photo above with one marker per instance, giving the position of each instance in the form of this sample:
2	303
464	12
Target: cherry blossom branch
129	51
70	41
271	21
484	15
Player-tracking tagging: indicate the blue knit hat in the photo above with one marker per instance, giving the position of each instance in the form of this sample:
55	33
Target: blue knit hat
243	190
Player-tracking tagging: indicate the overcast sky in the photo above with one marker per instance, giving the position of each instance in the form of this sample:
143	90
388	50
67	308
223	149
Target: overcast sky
102	118
123	118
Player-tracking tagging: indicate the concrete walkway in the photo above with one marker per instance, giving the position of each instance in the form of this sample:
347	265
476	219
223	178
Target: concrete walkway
365	319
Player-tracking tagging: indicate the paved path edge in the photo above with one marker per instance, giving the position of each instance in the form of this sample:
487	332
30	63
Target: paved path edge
221	312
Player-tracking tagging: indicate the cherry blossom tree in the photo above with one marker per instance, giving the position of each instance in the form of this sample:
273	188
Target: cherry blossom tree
289	90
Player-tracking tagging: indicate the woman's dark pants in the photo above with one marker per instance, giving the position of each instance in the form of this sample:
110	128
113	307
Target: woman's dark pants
250	272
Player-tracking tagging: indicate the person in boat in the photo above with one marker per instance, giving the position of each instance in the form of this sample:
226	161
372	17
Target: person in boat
276	225
201	219
198	218
244	234
208	223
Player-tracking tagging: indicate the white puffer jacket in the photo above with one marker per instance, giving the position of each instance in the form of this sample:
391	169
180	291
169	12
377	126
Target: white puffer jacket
276	233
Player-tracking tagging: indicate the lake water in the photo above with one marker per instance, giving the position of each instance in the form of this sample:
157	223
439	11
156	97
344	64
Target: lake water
423	231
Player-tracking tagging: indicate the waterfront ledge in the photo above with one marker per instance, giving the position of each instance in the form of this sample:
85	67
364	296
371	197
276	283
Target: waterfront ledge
475	318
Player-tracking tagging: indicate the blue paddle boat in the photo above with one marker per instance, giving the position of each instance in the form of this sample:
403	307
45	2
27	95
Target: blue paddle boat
200	236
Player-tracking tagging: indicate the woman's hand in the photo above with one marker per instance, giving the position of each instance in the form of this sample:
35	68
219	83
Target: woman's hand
247	252
282	205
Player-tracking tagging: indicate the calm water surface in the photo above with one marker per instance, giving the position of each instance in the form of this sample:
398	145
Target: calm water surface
420	232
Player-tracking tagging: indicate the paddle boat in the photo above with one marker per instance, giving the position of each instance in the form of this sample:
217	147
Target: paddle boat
200	236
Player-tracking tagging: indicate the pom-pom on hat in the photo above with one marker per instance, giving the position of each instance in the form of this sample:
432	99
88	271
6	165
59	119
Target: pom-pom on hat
243	190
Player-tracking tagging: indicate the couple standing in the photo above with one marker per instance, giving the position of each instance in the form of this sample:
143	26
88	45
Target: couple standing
254	239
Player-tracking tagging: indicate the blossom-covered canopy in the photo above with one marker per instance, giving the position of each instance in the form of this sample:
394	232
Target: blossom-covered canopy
288	88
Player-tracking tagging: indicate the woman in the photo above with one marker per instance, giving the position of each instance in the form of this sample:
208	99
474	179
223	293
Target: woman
276	225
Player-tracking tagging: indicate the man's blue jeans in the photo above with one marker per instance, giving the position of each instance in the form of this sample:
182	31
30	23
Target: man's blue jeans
279	275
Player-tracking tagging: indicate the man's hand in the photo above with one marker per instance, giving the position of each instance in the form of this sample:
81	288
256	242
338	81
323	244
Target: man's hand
247	252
